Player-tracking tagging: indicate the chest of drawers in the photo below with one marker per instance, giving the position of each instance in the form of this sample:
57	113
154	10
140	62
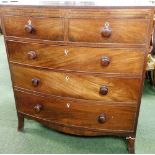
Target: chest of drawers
78	69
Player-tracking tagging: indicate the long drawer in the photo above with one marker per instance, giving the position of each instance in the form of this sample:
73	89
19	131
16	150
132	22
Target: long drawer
34	27
76	85
82	59
82	114
111	30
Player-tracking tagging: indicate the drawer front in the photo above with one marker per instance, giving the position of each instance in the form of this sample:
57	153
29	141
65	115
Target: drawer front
130	31
82	86
78	113
34	27
110	60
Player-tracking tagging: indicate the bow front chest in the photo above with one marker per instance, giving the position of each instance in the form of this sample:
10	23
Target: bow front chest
78	69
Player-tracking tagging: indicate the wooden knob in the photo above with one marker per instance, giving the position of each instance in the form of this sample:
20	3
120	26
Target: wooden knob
103	90
29	28
31	55
106	31
102	118
105	61
38	108
35	82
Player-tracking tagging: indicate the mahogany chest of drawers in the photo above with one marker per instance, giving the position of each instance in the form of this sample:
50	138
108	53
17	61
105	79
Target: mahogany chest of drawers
78	69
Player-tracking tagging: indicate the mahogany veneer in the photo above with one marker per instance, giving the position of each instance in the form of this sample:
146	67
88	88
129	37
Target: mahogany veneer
77	58
52	30
123	31
78	69
83	114
77	85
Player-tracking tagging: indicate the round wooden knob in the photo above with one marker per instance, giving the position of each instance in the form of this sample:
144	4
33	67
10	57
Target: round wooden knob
106	31
102	118
31	54
105	61
38	108
29	28
35	82
103	90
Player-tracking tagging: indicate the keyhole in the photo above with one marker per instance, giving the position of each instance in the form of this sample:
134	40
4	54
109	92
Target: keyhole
29	22
106	24
68	105
67	78
66	52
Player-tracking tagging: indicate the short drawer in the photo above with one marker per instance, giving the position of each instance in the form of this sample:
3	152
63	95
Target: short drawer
81	59
76	85
82	114
113	30
34	27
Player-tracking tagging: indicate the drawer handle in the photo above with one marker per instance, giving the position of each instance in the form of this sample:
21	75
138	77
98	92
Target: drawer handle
38	108
29	28
102	118
106	31
35	82
105	60
103	90
32	55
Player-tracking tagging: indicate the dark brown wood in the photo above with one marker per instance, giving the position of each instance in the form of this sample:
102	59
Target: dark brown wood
45	28
32	55
38	108
102	118
84	59
123	30
35	82
72	112
105	60
20	121
106	31
131	144
60	58
77	85
29	28
103	90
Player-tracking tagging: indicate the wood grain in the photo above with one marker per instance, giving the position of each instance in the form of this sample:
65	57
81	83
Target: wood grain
123	30
44	28
89	12
83	86
70	92
55	110
80	59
